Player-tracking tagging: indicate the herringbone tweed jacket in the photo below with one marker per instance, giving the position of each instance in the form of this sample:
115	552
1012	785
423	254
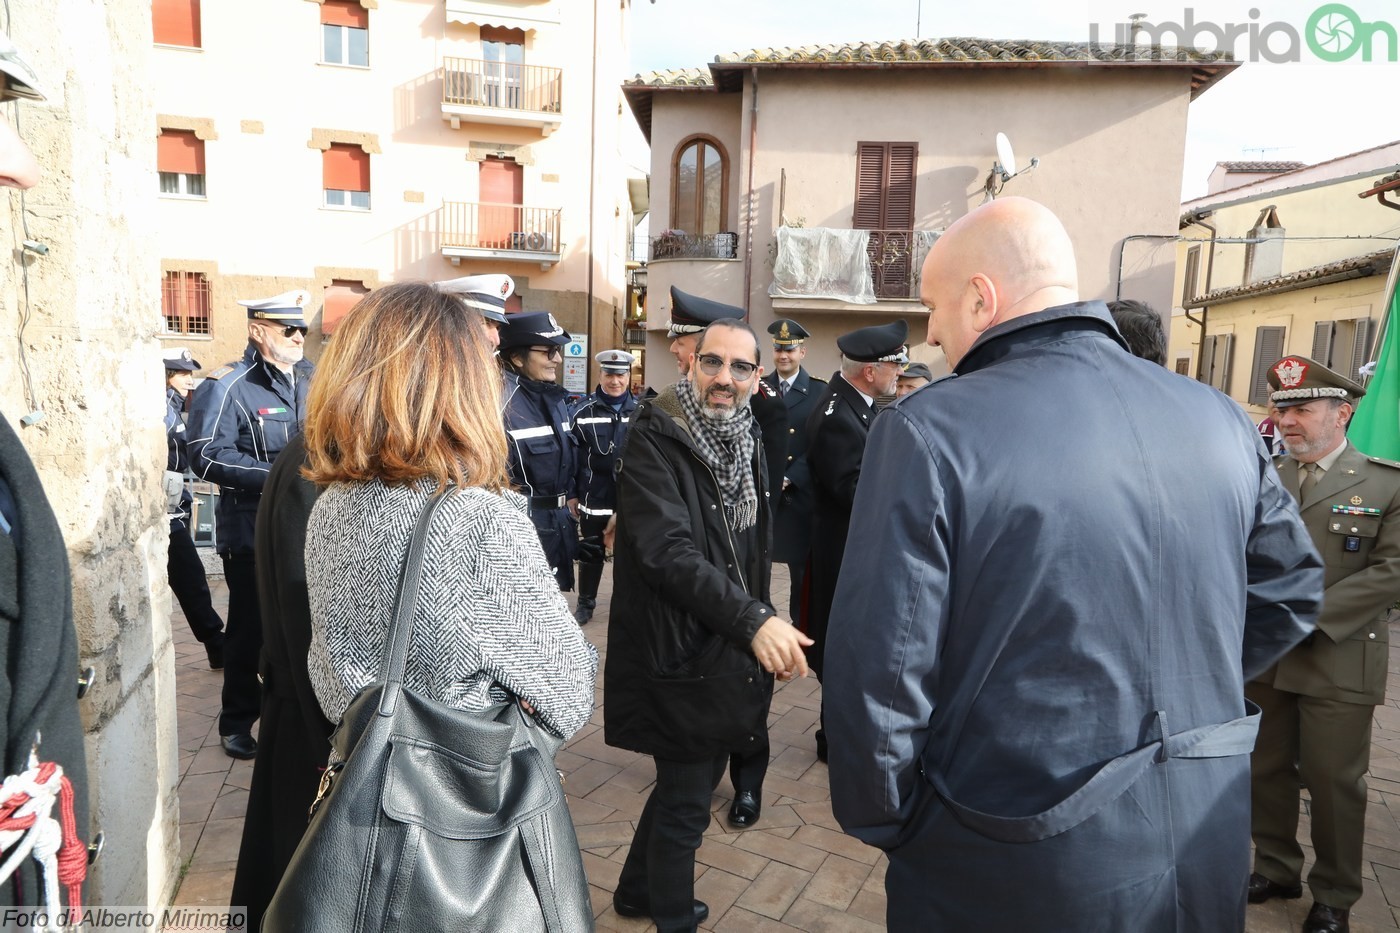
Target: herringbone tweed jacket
489	611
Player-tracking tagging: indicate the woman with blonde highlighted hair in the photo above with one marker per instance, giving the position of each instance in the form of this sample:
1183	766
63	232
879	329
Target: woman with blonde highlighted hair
406	405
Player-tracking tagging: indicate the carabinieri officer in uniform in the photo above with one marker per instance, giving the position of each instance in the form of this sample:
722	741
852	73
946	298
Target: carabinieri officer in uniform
241	418
600	428
1319	700
543	464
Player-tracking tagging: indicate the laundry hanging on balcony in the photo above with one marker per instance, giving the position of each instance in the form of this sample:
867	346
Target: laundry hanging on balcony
823	262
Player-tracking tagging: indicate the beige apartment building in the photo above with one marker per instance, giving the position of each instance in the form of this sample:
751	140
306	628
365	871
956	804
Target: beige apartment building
336	145
1285	258
809	183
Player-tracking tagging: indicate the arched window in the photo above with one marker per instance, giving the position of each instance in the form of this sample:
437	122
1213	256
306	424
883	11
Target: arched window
700	187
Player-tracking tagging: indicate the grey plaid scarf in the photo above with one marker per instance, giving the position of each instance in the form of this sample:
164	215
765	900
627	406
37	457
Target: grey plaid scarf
727	449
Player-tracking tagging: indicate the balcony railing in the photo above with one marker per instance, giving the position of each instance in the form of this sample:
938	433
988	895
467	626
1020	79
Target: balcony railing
677	245
828	263
473	82
476	226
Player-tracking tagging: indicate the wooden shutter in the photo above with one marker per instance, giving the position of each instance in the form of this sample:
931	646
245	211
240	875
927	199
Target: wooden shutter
1191	275
176	22
179	151
345	168
870	186
1183	365
1360	351
344	13
1322	342
1268	350
340	296
1221	367
899	186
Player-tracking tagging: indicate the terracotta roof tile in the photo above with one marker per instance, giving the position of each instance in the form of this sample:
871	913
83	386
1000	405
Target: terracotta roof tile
1257	167
968	50
1377	263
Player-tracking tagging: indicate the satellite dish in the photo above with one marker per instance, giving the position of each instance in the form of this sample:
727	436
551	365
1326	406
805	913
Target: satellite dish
1006	157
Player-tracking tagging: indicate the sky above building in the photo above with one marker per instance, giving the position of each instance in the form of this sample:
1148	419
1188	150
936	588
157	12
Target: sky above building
1305	92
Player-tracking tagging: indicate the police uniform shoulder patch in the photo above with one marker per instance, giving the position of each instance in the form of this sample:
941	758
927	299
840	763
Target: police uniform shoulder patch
1383	462
221	372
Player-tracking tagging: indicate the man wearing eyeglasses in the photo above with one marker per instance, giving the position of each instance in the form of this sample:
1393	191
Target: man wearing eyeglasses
692	634
241	417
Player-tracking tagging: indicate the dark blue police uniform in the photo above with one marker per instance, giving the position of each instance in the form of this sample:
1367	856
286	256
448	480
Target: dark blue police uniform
600	429
184	569
241	418
542	463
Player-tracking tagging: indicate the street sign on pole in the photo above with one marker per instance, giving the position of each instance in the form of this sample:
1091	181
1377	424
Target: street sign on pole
576	365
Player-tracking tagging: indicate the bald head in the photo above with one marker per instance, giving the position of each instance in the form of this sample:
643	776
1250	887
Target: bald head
1005	259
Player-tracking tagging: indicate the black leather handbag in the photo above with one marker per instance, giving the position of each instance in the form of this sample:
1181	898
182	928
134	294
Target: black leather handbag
439	819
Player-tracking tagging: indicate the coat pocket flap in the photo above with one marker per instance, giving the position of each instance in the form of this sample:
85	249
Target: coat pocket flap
454	797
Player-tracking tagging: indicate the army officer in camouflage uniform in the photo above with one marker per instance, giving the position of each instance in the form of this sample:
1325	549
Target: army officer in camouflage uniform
1318	700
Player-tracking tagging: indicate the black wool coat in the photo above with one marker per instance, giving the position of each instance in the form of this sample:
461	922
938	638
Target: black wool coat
38	649
681	681
294	739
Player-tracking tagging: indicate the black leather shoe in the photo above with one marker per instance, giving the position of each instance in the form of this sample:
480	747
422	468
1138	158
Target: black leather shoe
216	656
584	612
625	909
1262	889
745	811
821	745
1324	919
242	746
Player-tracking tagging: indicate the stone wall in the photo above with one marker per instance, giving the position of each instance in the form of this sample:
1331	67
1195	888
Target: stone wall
86	337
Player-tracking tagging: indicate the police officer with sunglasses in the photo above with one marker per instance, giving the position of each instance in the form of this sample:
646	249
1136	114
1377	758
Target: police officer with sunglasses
242	416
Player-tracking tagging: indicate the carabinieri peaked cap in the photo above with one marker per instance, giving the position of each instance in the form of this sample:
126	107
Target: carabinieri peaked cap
787	333
532	329
288	308
615	361
179	360
690	314
883	343
486	294
1297	380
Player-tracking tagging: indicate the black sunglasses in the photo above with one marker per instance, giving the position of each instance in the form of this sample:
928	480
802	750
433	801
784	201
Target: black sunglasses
739	369
292	329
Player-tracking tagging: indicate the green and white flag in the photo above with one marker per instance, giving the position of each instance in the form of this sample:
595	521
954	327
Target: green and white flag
1375	428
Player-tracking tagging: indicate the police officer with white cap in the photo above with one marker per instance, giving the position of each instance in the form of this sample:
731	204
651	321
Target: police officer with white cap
184	569
241	418
600	428
539	434
487	295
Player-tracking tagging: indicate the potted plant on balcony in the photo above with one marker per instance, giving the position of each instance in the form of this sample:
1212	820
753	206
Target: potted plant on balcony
669	244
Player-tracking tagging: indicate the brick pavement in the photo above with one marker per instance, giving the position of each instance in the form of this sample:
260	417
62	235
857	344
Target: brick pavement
794	871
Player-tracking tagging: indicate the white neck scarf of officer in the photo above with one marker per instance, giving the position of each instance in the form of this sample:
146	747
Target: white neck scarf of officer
727	449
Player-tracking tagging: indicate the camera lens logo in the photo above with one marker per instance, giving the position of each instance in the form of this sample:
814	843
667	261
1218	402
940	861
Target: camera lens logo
1332	32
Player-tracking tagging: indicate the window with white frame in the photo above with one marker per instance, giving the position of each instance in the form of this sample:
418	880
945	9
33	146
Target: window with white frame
180	163
344	33
345	177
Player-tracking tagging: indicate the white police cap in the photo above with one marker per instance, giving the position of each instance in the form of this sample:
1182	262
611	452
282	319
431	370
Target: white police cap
286	308
486	294
615	361
21	80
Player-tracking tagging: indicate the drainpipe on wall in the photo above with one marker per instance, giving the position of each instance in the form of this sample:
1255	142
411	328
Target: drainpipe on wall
753	151
1205	311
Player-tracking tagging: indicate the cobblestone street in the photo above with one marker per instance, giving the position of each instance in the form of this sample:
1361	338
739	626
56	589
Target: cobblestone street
794	871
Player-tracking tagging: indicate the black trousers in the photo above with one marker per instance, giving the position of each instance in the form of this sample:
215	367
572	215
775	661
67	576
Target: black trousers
590	573
747	769
242	696
660	866
191	587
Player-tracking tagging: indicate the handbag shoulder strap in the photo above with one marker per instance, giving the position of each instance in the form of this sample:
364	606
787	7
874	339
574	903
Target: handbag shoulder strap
405	601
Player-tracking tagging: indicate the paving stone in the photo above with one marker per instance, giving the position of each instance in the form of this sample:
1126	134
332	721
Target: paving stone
774	890
765	843
837	882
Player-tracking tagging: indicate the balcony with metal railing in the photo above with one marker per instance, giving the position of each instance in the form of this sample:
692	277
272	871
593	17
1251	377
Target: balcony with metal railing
502	93
510	232
837	269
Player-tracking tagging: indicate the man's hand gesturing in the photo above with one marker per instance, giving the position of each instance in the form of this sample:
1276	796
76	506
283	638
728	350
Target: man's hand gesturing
778	647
